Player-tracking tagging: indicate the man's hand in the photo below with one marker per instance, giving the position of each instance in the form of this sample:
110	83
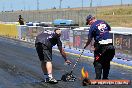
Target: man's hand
68	62
84	47
92	48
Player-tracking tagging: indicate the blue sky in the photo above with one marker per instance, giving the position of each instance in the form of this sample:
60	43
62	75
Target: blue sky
8	5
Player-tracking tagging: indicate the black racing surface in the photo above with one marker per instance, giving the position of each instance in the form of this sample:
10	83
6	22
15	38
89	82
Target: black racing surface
20	68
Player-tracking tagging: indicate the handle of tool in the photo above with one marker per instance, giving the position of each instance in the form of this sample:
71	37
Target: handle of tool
76	61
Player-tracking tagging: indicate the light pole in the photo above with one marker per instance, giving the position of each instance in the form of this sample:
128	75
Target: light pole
3	7
91	2
37	4
82	4
121	2
24	5
11	6
60	4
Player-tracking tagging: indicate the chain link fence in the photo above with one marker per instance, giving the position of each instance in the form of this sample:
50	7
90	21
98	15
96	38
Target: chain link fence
78	15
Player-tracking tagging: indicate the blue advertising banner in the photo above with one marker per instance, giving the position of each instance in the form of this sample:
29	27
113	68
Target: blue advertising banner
65	35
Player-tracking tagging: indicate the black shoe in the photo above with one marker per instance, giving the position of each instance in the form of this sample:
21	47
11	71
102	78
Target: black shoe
52	81
105	79
46	80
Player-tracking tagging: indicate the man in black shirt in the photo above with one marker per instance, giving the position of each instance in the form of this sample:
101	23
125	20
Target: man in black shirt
44	43
21	20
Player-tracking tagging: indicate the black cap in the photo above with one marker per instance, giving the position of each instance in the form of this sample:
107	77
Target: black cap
89	17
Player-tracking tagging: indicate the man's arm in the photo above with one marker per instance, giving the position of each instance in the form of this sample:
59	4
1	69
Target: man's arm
88	42
64	55
62	51
90	36
109	27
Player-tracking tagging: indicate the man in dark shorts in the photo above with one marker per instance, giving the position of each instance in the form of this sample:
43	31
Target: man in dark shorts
104	49
44	43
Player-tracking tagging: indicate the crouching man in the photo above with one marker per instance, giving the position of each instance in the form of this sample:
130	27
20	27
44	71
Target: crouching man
44	43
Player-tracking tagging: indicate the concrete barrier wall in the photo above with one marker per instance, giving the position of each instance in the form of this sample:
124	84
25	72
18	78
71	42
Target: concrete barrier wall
77	38
9	30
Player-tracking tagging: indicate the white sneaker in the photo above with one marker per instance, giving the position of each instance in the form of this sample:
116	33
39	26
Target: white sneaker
52	80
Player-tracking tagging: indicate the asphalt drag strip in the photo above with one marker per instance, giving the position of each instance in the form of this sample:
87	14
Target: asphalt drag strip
20	68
